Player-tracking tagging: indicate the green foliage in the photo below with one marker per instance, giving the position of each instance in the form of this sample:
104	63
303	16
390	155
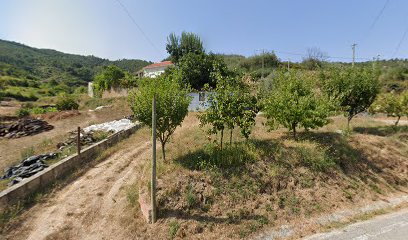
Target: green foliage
293	102
110	77
48	72
172	102
40	110
393	104
231	105
354	88
178	47
23	112
174	226
66	102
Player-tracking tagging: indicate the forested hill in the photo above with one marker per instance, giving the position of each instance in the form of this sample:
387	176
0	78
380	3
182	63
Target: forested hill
19	62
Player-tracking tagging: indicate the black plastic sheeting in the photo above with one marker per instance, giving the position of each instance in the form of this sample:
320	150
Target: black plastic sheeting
27	167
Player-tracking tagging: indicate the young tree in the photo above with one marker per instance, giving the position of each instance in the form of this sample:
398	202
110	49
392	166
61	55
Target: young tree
232	105
354	88
171	108
293	102
392	104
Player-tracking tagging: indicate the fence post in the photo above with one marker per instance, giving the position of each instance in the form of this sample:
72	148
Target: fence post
79	140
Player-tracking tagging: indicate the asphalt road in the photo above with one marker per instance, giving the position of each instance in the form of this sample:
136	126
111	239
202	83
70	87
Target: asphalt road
392	226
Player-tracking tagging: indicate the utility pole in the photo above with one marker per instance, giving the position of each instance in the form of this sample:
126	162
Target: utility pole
353	46
288	64
153	180
263	62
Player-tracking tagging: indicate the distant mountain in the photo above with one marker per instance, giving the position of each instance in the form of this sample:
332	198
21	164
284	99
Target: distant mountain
24	66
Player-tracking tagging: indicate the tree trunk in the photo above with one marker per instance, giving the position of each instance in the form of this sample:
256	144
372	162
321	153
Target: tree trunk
348	122
222	136
163	151
294	130
230	136
396	123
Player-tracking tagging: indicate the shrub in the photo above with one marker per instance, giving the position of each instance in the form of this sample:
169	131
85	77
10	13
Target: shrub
66	102
23	112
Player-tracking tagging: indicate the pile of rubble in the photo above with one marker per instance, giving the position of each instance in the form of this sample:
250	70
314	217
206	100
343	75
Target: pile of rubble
24	127
86	138
27	167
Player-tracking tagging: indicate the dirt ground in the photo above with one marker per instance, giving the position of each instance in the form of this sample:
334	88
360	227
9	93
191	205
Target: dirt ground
96	205
11	149
93	205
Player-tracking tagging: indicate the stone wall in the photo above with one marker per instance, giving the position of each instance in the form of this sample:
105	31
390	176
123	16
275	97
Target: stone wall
59	170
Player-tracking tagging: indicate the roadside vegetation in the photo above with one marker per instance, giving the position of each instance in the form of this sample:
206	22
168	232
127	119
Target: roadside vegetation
261	174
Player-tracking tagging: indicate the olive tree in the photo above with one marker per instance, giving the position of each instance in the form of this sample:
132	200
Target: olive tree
355	89
171	107
294	102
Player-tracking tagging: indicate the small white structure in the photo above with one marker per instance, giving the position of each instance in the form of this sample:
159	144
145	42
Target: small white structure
90	89
155	69
199	102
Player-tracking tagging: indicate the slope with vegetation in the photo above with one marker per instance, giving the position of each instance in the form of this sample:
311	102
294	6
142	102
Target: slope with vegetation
28	73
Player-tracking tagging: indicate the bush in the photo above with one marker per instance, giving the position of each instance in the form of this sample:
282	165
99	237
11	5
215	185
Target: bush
66	102
23	112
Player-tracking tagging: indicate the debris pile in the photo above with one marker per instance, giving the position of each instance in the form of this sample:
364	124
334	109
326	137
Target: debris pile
24	127
113	126
27	167
86	138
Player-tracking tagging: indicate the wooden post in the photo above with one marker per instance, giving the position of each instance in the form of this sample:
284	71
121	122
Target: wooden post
79	140
153	180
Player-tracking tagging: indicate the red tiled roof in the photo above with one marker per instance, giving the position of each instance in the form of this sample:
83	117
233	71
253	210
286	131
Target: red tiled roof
159	64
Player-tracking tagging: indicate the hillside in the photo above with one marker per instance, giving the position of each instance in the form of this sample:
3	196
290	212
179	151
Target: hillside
393	72
27	73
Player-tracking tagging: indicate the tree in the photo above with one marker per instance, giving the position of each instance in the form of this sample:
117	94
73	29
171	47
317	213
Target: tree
231	105
315	58
392	104
196	69
110	77
177	47
294	102
355	89
171	108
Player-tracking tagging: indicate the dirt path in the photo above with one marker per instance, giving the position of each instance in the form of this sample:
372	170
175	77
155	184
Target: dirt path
91	207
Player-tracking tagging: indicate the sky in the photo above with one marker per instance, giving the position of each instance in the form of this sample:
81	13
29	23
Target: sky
139	30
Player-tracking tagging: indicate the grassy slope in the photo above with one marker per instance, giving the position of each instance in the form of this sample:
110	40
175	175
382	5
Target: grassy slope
272	180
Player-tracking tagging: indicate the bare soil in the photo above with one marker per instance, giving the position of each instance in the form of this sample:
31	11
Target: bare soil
93	206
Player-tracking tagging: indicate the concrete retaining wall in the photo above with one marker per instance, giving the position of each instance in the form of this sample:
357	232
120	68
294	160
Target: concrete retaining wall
59	170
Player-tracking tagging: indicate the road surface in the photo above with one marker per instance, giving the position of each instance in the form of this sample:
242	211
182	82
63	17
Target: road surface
393	226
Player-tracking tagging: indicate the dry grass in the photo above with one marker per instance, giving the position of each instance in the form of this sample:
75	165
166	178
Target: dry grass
271	179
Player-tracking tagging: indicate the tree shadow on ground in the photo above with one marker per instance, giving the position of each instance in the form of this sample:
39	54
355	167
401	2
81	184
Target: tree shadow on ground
181	214
382	131
355	163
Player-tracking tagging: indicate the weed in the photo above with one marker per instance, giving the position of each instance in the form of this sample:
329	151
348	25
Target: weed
174	226
132	195
27	152
190	197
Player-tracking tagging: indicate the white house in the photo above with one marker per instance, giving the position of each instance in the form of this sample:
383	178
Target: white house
155	69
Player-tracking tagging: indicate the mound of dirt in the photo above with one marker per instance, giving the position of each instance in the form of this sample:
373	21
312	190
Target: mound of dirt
61	115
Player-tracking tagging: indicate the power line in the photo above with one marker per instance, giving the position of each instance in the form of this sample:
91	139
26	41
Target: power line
330	57
400	42
377	18
137	25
